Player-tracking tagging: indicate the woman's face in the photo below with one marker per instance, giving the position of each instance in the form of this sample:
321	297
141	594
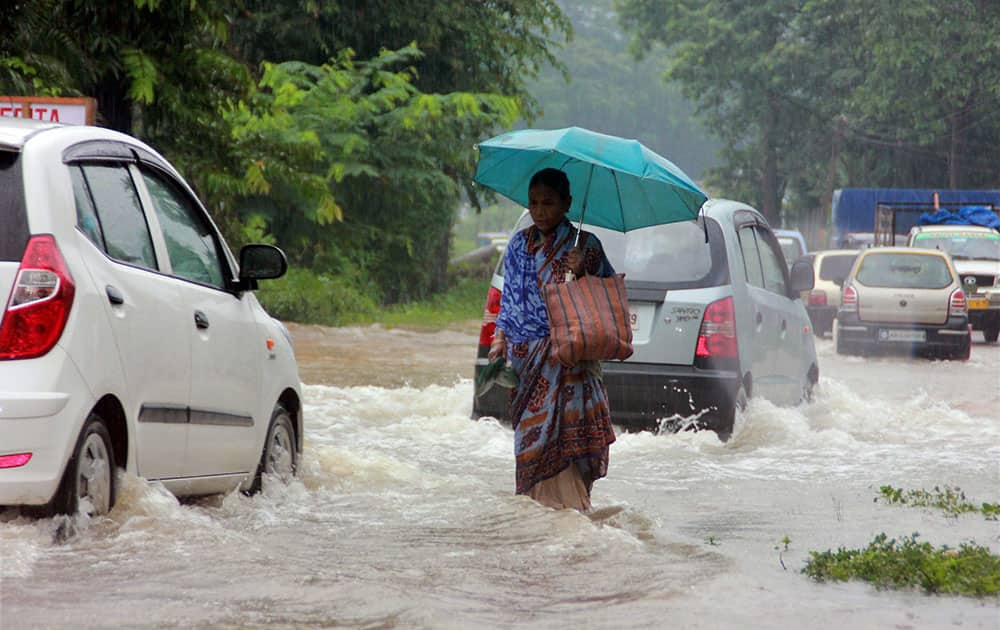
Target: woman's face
547	208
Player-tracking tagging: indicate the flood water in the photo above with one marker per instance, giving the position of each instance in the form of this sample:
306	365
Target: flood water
404	514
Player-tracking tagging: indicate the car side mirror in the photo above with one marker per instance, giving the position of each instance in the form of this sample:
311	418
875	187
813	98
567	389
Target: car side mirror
802	276
260	262
839	281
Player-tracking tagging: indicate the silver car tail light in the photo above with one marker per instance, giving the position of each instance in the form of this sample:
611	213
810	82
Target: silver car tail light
490	317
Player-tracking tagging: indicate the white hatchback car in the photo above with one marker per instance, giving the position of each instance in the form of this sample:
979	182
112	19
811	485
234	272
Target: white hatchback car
717	317
130	338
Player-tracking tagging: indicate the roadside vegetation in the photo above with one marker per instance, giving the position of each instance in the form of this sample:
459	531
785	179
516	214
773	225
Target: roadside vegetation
909	563
951	500
970	569
345	133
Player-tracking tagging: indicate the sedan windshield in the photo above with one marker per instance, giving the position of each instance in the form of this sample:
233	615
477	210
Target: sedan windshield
964	245
909	271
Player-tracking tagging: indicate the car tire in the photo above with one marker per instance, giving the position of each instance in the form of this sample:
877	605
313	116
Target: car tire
89	483
726	420
964	352
279	458
990	333
812	378
839	345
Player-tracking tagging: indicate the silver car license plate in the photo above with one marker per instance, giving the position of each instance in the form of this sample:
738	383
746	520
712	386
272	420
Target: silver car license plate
894	334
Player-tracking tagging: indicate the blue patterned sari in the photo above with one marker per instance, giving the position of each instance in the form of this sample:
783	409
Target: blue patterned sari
560	415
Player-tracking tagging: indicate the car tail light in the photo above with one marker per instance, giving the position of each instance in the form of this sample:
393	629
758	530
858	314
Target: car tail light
850	297
717	337
14	461
817	298
490	317
957	304
39	303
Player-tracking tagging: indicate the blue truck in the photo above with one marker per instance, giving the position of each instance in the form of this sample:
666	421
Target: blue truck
883	216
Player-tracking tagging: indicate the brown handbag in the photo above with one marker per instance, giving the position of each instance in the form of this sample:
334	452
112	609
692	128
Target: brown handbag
589	319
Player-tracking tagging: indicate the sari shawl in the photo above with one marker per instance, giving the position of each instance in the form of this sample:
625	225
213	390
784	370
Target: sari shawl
560	414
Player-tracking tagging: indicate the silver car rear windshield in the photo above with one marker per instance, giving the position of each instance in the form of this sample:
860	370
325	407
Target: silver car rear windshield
905	271
13	215
672	256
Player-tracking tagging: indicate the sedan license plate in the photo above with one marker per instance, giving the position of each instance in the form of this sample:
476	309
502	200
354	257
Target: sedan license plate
978	304
893	334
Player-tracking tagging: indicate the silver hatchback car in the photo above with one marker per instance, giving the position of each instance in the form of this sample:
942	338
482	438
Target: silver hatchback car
716	318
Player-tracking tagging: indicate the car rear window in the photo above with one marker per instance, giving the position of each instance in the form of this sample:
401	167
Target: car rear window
910	271
964	245
13	214
836	266
671	256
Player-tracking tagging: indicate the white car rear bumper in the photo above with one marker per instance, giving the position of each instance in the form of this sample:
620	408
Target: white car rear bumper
43	402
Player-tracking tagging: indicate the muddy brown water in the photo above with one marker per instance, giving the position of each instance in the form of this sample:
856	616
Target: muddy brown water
403	515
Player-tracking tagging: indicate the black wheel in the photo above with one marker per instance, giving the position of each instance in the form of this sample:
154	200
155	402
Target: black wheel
88	485
990	333
964	353
279	458
840	346
724	423
812	377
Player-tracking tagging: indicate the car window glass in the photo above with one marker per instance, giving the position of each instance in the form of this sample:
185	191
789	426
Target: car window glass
670	253
835	267
772	264
124	224
86	215
751	261
191	244
13	214
962	245
911	271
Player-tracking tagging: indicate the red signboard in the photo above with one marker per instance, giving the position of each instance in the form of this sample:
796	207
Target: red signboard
71	111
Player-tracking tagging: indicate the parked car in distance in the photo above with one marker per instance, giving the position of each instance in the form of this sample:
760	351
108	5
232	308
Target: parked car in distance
903	299
793	245
975	252
716	318
130	337
830	269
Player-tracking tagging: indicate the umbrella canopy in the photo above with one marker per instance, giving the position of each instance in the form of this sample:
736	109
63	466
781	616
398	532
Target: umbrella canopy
616	183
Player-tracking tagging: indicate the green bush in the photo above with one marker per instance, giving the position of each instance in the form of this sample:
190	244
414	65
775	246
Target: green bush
461	303
968	570
306	297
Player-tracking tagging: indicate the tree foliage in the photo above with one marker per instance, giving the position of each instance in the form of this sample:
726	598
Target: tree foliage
356	144
809	95
343	132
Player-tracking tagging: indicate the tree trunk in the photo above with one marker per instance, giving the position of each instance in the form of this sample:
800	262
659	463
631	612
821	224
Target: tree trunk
769	172
113	105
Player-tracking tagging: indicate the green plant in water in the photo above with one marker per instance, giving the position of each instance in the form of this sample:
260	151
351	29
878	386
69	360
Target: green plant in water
951	500
711	540
908	563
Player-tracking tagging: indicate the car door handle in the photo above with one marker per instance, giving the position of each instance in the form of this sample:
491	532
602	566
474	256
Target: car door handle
114	295
760	318
200	320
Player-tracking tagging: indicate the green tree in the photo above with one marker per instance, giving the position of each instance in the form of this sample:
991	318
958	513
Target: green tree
356	142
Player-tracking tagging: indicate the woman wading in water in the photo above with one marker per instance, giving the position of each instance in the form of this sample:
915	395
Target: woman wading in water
562	424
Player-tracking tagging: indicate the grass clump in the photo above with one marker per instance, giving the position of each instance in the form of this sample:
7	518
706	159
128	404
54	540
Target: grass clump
307	297
463	302
969	570
951	500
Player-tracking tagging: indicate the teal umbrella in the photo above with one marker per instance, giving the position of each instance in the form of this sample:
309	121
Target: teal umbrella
616	183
